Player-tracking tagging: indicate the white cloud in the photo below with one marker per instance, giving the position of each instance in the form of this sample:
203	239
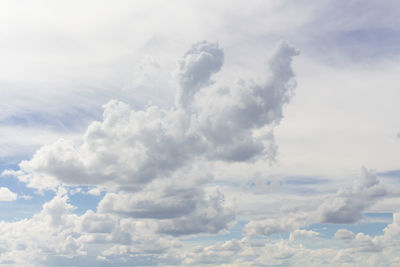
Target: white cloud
152	156
348	205
129	149
50	230
302	234
7	195
218	253
393	229
153	152
348	249
274	226
56	236
344	234
365	243
174	207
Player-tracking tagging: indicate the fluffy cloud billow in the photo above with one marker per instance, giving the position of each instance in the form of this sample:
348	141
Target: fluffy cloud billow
128	149
349	204
150	162
346	206
7	195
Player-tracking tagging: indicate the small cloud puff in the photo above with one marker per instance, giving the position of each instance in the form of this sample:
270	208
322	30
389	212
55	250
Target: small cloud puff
7	195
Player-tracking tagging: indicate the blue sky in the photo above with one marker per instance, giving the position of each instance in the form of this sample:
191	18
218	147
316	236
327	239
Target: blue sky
199	133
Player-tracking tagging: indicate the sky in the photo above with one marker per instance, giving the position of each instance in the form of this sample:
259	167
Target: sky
200	133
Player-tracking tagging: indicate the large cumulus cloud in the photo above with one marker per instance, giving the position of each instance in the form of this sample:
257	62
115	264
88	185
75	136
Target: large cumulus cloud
129	148
150	162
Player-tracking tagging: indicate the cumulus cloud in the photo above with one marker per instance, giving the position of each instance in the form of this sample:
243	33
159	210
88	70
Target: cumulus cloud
176	207
221	252
302	234
346	206
56	235
393	229
129	149
146	160
366	243
344	234
210	215
348	249
274	226
7	195
149	162
283	252
349	204
47	233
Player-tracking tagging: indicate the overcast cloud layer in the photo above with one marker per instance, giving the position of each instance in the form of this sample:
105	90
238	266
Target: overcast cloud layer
196	133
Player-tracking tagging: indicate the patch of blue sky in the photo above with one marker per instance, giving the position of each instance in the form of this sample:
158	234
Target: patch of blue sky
383	215
9	164
25	208
328	230
390	173
28	202
12	161
84	201
22	207
13	184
